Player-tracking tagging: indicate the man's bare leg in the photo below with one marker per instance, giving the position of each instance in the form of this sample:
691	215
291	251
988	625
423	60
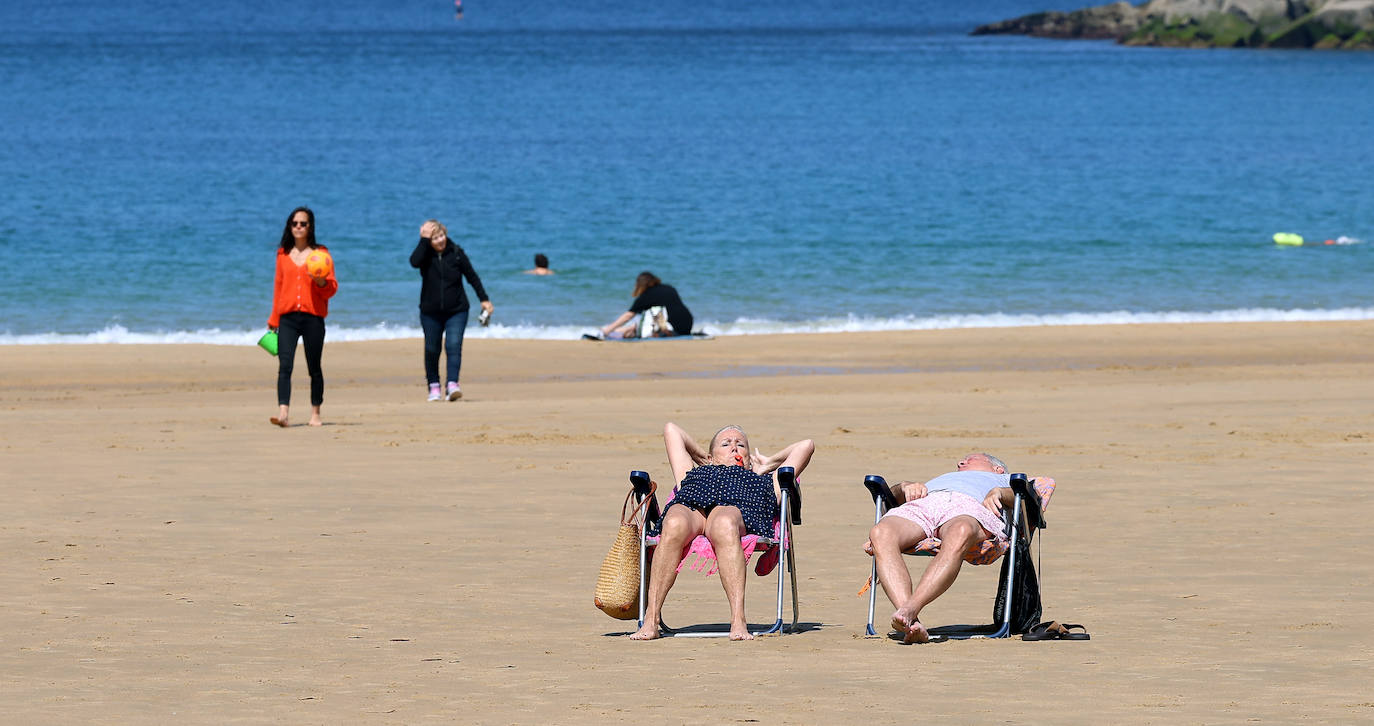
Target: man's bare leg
955	537
724	528
888	539
680	526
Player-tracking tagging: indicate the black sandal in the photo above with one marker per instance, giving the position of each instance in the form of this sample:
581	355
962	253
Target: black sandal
1066	635
1054	630
1044	631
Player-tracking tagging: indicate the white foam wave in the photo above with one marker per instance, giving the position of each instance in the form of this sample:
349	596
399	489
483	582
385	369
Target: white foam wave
858	324
118	334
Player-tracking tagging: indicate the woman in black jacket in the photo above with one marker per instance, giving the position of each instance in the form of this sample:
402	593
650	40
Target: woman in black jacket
444	303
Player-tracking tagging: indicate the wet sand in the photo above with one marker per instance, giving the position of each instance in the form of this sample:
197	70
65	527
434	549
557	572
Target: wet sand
171	557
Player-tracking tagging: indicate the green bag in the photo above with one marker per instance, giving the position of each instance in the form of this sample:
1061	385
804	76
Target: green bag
268	342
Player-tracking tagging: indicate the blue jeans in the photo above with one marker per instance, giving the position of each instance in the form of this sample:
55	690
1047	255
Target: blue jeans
449	330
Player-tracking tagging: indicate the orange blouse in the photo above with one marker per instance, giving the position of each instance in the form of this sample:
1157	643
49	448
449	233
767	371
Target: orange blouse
295	291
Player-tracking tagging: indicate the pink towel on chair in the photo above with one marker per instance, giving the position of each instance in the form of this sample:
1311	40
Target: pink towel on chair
701	555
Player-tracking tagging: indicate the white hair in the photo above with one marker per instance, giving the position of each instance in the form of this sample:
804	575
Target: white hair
995	462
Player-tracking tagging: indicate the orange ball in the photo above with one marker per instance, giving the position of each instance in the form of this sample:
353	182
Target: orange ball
319	264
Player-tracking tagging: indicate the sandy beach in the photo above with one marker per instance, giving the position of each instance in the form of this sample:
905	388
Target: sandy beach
170	557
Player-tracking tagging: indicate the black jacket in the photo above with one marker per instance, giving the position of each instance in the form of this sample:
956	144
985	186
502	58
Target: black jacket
441	278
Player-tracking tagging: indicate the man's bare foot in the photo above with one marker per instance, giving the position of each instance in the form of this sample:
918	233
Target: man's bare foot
648	632
740	632
911	629
279	421
917	634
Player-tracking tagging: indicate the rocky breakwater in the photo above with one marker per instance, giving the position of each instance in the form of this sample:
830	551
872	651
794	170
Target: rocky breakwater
1345	24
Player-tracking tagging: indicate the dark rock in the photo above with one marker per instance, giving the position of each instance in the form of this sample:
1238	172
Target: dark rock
1345	24
1099	23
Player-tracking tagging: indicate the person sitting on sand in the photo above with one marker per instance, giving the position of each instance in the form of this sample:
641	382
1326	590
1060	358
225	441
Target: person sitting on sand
541	266
650	292
726	492
961	508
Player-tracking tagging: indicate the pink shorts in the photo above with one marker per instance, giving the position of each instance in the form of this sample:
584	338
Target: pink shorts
934	509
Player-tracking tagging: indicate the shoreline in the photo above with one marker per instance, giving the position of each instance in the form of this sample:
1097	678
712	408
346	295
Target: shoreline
888	353
175	557
119	335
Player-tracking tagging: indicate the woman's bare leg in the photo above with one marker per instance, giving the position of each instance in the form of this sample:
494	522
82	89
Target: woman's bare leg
681	525
724	528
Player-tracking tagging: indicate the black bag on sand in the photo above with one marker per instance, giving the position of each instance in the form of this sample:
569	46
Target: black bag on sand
1025	591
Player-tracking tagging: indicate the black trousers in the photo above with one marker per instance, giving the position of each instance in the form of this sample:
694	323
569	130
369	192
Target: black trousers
310	328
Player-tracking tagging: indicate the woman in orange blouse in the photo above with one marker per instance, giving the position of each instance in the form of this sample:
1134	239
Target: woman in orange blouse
300	303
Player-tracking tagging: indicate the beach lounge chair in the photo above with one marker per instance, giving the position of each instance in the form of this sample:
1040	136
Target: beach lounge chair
1032	496
775	551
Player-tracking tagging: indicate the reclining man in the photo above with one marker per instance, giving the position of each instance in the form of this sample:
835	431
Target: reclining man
961	508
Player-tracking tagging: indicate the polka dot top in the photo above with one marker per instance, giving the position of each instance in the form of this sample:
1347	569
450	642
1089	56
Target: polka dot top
712	485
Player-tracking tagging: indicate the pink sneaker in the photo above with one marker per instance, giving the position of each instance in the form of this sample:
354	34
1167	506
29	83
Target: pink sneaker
453	393
434	394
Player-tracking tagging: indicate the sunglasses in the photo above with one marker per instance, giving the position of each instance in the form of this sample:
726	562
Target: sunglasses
296	223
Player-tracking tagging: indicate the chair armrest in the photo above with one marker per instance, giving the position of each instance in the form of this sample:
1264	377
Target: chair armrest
640	482
1035	515
878	489
787	481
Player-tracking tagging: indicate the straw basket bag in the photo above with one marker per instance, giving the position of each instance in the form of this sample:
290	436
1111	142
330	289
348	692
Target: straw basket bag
617	587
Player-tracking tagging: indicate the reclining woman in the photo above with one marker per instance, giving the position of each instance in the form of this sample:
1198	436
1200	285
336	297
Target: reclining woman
726	492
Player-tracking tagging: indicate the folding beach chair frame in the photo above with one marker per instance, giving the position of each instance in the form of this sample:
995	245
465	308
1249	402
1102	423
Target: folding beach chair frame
789	513
1026	502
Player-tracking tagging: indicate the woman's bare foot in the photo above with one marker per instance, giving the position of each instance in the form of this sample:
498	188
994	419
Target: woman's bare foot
911	629
315	416
279	421
647	632
740	632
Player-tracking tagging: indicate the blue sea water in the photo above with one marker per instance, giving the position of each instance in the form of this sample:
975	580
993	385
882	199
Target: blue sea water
788	166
